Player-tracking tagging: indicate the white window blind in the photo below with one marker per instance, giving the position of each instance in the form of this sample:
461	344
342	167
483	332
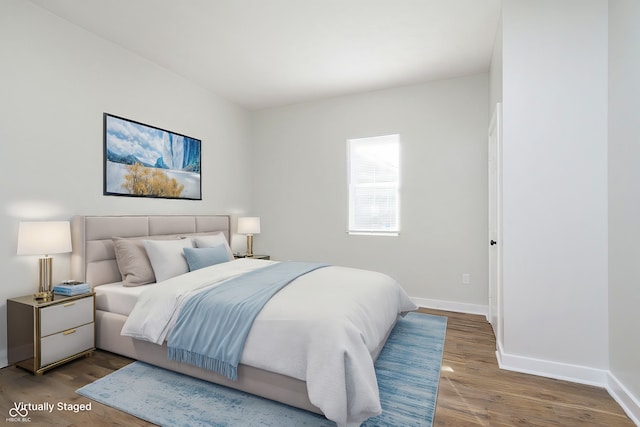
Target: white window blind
374	185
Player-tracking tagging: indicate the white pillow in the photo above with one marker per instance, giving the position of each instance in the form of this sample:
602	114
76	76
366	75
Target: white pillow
133	262
213	240
167	257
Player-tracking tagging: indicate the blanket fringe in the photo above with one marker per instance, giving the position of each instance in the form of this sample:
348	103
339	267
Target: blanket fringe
203	361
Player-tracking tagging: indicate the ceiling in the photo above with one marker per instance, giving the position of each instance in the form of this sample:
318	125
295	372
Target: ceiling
266	53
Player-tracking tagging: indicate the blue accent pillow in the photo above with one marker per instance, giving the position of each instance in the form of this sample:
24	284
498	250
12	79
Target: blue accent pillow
198	258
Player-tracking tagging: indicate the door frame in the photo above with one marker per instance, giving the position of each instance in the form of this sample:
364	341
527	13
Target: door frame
495	312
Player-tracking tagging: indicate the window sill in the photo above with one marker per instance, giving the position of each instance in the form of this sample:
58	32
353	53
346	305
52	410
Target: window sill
373	233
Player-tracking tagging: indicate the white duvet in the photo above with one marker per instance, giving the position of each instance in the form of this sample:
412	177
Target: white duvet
321	329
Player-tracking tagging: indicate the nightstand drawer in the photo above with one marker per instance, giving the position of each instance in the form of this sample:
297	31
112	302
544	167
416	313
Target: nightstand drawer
61	317
65	344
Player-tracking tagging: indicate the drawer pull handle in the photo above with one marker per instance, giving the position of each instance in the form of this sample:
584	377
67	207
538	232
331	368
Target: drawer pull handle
69	304
69	332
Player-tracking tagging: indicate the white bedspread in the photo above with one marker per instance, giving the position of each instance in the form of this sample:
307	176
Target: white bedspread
322	329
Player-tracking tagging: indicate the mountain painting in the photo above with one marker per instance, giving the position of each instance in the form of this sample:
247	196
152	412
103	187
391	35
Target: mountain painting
145	161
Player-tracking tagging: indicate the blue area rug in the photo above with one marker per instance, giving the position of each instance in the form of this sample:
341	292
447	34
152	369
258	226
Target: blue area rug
408	371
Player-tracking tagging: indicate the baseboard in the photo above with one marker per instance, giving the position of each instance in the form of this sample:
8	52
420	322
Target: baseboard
550	369
625	399
458	307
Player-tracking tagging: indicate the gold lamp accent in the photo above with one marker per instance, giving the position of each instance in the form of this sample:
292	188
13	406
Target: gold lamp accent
249	225
44	237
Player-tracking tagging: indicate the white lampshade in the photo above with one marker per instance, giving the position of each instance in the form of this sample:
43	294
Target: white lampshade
249	225
44	238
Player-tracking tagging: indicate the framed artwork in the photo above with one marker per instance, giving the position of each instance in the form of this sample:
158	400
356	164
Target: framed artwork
146	161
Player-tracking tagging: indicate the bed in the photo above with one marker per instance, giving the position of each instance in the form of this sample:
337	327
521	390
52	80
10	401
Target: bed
264	370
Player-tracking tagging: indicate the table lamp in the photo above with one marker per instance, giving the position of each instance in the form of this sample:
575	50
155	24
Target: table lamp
44	238
249	225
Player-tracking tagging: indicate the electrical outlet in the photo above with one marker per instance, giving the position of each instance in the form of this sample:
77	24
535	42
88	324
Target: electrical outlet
466	278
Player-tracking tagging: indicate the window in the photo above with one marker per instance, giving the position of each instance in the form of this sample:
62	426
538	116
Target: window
374	185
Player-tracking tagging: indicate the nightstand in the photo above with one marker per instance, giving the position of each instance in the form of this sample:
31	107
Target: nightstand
254	256
44	334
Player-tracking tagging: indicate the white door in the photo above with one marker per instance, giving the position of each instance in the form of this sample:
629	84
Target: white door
495	222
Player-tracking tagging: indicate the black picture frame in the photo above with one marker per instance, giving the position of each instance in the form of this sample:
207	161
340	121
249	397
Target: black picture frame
146	161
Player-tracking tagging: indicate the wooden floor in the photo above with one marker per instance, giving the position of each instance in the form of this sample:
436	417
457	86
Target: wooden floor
473	390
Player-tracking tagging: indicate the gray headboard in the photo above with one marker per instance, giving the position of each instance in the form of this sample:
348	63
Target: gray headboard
93	259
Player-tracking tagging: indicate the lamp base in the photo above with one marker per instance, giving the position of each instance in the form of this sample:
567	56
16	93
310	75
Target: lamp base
45	291
45	296
249	245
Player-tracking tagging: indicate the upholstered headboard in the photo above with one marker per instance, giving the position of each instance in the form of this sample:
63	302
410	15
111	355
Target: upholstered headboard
93	258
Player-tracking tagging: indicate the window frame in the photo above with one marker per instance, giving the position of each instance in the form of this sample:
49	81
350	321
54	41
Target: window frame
352	228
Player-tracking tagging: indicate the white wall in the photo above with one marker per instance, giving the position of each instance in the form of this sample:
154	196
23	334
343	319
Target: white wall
300	185
624	200
495	71
56	80
555	187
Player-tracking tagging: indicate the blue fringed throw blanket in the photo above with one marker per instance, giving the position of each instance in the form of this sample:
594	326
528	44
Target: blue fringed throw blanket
212	326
